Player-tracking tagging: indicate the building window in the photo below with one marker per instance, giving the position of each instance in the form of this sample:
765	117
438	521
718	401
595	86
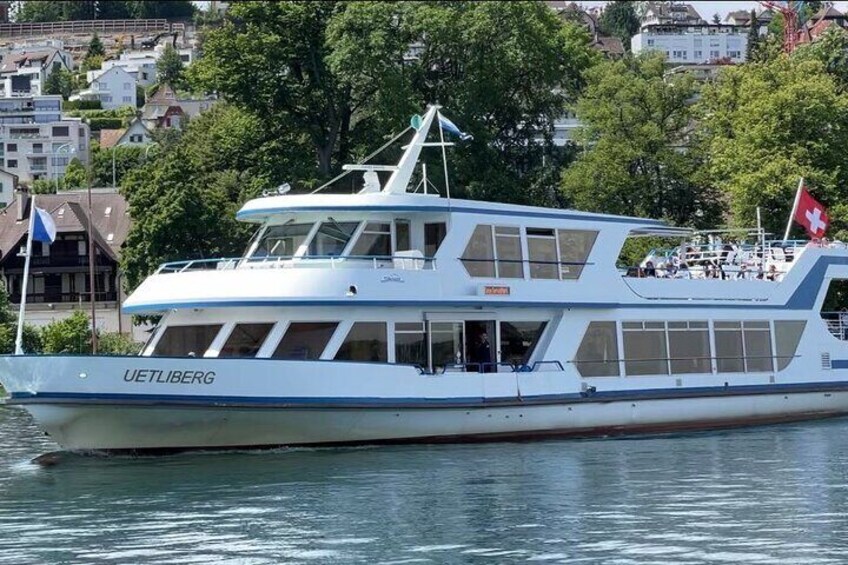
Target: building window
61	131
305	340
679	54
366	341
245	340
182	341
650	42
699	55
127	99
37	147
734	54
127	86
12	164
714	54
12	147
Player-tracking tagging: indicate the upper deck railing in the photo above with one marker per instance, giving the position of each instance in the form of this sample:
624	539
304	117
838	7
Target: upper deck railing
399	262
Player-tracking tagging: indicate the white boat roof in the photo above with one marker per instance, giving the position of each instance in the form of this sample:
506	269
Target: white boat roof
260	209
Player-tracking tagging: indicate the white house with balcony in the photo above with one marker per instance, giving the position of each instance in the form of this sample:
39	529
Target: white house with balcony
36	142
113	88
24	72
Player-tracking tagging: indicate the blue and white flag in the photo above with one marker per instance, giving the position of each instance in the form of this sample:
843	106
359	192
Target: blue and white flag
43	227
450	127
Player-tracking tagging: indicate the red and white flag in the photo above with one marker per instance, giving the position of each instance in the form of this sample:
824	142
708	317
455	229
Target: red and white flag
811	214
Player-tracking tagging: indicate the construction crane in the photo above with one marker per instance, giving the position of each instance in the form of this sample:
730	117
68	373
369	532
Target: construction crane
792	13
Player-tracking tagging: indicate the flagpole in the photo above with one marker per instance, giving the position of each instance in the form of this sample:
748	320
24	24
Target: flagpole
794	209
19	338
444	152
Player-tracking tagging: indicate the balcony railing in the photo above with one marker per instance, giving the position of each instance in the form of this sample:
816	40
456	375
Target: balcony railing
63	297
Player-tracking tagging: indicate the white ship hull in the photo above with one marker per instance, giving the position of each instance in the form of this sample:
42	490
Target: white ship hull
281	413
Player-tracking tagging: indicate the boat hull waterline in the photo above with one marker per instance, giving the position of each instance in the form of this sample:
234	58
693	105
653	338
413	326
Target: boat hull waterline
98	403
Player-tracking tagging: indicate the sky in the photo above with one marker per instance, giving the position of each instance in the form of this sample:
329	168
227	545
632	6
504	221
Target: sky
707	9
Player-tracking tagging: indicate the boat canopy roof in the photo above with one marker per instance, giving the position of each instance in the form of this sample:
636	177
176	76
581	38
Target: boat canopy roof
260	210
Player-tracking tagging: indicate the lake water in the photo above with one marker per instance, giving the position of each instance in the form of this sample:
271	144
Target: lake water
760	495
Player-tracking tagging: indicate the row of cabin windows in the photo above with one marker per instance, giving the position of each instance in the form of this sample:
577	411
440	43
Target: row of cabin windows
378	239
443	345
663	348
498	252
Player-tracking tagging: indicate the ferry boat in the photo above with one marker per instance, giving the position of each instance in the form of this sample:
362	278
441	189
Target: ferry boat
394	314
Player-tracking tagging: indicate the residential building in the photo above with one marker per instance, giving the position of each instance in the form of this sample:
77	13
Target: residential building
828	17
8	185
24	71
743	18
611	47
677	30
36	142
59	280
166	110
134	134
141	65
113	88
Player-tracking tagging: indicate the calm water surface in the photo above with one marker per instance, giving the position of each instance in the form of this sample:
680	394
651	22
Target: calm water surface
765	495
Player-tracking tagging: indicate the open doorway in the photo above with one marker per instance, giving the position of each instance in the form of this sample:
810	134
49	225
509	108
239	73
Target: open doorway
480	340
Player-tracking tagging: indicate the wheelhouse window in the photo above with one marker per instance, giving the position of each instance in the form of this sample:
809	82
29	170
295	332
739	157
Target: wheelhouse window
282	241
519	339
331	239
411	343
434	234
366	341
375	240
186	341
305	340
245	340
541	247
597	355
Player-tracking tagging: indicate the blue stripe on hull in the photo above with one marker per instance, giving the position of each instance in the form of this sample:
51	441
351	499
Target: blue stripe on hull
407	403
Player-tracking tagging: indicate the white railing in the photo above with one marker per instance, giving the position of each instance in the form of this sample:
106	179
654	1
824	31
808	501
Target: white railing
837	323
397	262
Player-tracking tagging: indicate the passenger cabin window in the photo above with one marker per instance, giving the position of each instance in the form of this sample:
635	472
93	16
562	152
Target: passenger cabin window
541	247
434	234
689	347
331	238
508	250
479	255
447	343
574	249
411	344
787	336
245	340
645	350
305	340
366	341
597	355
186	341
375	241
518	340
282	241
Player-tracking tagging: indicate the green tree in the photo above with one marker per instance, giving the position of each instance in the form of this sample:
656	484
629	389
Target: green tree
69	335
169	67
753	37
126	158
619	20
831	49
59	81
95	47
638	158
767	124
76	175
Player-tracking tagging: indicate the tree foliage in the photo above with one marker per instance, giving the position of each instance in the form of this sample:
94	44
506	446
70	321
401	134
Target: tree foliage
831	49
59	81
765	125
31	337
69	10
76	175
502	70
619	20
638	159
169	67
126	158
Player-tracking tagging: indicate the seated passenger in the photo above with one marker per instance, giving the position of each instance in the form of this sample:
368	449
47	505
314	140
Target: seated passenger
683	272
772	273
650	270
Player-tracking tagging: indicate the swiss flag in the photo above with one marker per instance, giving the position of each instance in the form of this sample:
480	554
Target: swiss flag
811	214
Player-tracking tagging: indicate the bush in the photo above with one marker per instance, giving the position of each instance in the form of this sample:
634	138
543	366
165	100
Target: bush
43	186
97	124
69	105
71	335
113	343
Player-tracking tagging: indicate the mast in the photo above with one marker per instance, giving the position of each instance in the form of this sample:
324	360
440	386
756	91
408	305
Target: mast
399	180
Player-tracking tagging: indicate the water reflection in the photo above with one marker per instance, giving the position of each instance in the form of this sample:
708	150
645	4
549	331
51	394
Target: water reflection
755	496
